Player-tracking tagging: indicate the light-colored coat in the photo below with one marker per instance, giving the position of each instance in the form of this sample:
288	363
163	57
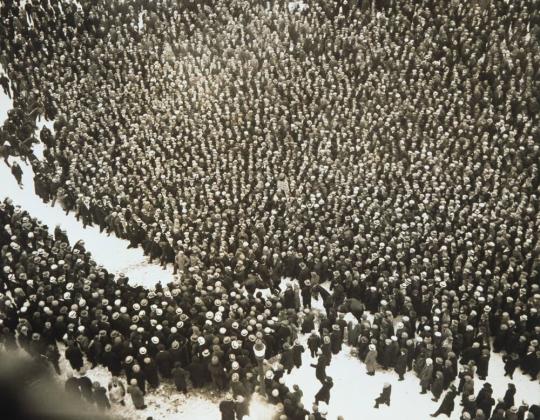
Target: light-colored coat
371	361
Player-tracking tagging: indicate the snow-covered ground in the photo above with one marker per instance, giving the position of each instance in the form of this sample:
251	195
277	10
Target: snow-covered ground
352	396
353	393
109	251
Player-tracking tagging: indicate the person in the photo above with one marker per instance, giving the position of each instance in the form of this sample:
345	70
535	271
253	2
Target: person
320	369
180	376
509	396
5	152
117	391
437	386
241	407
287	358
484	399
17	172
314	343
53	356
297	351
384	397
137	396
227	408
308	182
511	362
470	406
74	355
371	360
447	404
483	364
426	376
401	364
86	387
323	394
100	396
72	386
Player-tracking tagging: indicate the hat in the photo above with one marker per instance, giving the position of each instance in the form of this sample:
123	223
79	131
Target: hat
142	350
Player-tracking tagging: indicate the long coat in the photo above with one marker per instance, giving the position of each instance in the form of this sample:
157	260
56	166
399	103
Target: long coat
324	393
75	357
401	364
297	350
136	396
437	387
426	376
371	361
447	405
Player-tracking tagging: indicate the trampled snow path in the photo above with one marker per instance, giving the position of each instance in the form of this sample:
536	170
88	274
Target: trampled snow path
354	392
352	396
109	251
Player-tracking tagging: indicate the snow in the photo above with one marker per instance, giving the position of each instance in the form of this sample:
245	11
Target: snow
354	391
109	251
165	402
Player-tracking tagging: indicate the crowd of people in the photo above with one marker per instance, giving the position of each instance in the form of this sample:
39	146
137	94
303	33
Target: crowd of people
202	331
386	149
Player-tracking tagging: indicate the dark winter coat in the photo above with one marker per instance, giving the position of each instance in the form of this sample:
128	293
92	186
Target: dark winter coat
447	405
426	376
75	357
401	364
437	387
136	396
324	393
297	350
227	409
